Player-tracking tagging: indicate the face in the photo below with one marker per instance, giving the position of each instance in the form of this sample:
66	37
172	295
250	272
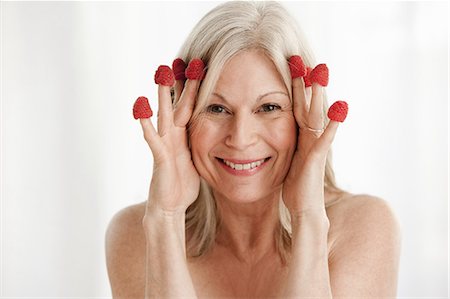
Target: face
245	137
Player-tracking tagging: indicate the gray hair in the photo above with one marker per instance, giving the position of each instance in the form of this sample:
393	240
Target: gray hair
221	34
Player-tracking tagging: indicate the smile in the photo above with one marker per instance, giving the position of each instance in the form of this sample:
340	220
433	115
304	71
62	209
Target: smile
244	167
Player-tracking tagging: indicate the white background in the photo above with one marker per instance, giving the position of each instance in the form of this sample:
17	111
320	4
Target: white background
73	155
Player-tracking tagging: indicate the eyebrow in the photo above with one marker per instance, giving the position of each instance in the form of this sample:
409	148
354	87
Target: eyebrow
257	99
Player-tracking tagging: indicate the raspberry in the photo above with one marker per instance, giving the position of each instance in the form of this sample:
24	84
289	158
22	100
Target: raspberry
179	66
338	111
307	78
164	76
194	71
297	67
141	108
319	74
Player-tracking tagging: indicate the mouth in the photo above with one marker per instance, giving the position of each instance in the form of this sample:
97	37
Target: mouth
244	166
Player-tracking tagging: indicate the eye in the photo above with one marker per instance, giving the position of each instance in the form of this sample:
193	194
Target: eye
269	107
216	109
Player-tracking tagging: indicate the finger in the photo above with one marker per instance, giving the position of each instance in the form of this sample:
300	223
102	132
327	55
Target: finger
179	67
315	114
299	99
319	79
307	87
337	113
165	113
178	89
327	137
195	72
308	94
165	78
298	71
142	110
185	106
152	137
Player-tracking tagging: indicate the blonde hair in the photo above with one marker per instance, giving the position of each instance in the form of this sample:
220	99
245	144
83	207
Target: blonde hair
222	33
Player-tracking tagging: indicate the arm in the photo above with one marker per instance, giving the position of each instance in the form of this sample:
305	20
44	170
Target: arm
174	186
308	274
303	188
144	261
363	261
167	274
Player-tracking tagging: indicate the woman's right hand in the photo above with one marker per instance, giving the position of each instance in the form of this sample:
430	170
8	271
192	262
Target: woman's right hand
175	182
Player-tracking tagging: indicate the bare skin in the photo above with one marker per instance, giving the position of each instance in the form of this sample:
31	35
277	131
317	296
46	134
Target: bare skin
234	278
343	246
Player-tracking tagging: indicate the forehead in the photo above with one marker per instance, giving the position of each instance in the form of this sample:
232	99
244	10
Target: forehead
249	73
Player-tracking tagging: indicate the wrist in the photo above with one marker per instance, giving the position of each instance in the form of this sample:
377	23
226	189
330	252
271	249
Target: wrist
156	216
313	218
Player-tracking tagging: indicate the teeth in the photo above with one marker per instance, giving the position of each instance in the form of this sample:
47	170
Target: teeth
244	166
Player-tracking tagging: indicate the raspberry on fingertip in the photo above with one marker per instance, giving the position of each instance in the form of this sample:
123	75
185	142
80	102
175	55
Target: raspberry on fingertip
338	111
195	69
141	108
319	74
297	67
179	67
164	76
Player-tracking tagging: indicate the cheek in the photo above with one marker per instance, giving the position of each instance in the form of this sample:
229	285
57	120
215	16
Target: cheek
203	135
283	133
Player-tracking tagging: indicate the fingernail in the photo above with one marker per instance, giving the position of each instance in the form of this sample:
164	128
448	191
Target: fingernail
178	67
319	74
306	78
164	76
338	111
194	71
141	108
297	67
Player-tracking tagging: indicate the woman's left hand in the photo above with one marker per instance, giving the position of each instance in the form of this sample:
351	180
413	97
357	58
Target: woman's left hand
303	189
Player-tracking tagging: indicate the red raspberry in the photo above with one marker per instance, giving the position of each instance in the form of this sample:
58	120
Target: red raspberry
297	67
306	78
319	74
141	108
194	71
164	76
338	111
179	66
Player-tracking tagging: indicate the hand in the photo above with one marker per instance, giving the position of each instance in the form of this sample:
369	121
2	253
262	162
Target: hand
175	182
303	189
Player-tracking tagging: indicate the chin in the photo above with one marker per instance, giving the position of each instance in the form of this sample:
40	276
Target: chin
241	195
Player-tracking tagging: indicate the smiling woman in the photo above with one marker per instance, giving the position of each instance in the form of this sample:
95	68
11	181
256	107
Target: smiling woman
243	200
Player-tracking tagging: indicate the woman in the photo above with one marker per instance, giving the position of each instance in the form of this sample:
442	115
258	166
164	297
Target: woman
243	202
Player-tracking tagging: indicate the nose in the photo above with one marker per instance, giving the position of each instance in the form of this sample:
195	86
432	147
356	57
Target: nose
242	132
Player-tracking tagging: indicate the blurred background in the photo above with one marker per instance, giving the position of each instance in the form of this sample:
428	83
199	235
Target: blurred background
73	155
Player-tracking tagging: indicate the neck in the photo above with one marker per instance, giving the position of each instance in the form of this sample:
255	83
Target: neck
248	230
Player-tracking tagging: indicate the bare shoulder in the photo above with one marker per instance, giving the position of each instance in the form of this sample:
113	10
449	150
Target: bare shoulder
125	252
362	212
366	244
